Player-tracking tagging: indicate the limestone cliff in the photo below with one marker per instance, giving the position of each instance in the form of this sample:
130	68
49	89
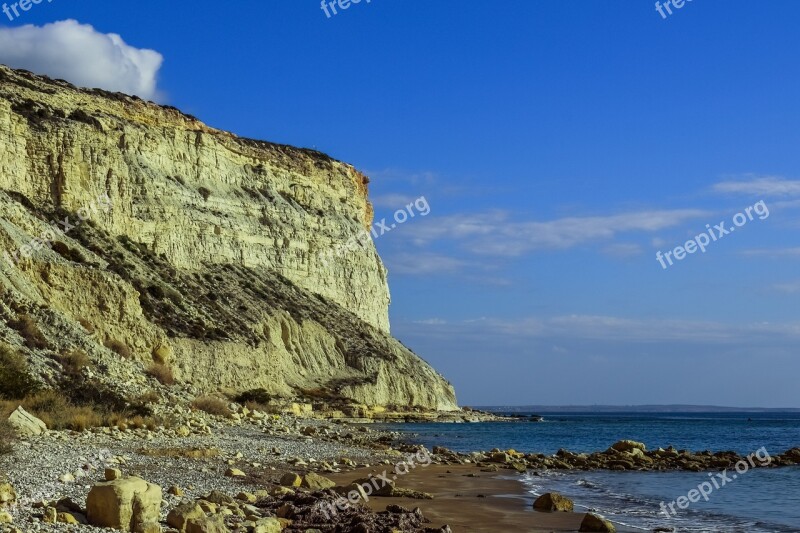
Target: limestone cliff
194	246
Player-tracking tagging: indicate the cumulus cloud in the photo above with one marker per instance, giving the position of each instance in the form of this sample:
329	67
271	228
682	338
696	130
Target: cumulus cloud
81	55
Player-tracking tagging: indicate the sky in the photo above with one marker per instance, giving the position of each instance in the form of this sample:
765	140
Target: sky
559	146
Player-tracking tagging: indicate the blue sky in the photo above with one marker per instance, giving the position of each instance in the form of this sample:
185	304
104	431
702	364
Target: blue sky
560	145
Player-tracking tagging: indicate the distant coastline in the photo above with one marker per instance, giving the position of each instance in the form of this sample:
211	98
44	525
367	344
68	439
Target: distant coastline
543	409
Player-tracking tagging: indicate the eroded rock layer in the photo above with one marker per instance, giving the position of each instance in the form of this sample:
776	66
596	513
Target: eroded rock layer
225	258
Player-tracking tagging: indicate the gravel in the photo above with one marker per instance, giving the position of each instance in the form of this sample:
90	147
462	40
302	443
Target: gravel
264	449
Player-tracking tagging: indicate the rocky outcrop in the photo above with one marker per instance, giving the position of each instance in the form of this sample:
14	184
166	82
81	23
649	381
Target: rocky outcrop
227	260
125	504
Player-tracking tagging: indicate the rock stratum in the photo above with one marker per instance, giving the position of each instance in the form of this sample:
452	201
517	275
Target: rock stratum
222	258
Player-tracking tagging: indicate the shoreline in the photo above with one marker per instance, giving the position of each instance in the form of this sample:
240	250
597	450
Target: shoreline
469	500
249	456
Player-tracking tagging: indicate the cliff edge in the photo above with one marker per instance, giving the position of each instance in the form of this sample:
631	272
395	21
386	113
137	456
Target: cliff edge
140	236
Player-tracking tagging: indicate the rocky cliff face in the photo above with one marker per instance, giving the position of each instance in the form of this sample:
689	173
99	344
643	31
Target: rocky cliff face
224	257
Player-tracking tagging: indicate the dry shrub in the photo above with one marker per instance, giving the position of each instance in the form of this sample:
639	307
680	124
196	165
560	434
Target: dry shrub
55	410
147	398
162	373
212	405
74	362
119	347
258	397
59	413
27	328
15	379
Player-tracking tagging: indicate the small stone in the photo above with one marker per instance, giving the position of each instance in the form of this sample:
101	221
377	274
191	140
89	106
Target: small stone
66	478
66	518
112	473
6	518
234	472
50	515
247	497
280	492
175	491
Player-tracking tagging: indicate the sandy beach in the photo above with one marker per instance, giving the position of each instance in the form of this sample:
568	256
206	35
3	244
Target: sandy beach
467	499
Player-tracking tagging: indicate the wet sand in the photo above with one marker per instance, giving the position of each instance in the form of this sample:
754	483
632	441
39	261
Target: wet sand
489	501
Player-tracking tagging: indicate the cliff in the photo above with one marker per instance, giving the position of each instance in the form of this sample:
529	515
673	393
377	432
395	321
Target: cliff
192	247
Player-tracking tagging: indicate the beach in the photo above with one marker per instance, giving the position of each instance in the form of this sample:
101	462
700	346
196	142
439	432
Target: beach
467	499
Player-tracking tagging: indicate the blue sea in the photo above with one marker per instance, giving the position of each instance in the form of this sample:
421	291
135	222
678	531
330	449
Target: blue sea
758	501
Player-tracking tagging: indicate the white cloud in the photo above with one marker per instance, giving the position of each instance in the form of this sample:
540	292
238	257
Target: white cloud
392	200
761	186
83	56
773	252
422	263
623	250
790	288
494	233
610	328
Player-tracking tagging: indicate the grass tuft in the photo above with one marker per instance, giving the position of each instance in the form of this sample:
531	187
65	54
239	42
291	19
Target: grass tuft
161	373
119	347
212	405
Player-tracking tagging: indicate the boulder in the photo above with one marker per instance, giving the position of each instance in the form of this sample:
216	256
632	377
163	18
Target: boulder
7	495
180	515
291	480
553	502
500	457
595	524
125	504
314	481
628	446
25	424
207	525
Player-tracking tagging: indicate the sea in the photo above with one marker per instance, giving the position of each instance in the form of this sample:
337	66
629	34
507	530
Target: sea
757	501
